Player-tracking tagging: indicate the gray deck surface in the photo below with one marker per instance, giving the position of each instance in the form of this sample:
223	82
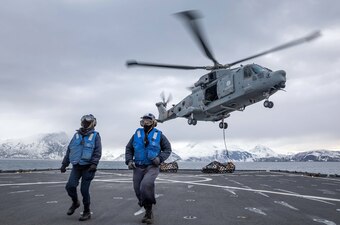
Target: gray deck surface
186	197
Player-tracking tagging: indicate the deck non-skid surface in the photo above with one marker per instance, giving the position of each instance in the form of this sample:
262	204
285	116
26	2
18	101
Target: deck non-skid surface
186	197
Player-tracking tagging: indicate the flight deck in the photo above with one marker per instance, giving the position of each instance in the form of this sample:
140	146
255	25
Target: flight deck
185	197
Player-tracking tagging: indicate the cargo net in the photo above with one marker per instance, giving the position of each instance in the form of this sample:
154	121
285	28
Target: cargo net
217	167
171	167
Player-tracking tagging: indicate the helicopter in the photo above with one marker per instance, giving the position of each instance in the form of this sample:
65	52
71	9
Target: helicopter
223	89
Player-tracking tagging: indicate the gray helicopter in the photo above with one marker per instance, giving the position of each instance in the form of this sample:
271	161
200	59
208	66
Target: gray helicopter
224	89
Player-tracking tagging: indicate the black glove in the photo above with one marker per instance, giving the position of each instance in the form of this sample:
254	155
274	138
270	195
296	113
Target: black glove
131	165
156	161
93	168
63	169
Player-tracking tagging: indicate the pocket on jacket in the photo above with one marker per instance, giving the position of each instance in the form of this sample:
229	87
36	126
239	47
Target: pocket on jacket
87	151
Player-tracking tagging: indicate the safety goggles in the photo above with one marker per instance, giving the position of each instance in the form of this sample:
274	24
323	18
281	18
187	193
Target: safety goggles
146	121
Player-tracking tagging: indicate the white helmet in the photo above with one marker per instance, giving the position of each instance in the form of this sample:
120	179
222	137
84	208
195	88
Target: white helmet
148	118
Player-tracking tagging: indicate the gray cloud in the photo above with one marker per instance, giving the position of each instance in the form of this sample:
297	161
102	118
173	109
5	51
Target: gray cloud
62	59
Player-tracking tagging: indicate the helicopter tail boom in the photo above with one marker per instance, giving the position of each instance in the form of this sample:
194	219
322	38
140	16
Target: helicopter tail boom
163	113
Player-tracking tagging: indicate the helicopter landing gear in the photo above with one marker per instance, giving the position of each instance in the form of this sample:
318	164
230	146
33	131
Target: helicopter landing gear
223	125
192	122
268	104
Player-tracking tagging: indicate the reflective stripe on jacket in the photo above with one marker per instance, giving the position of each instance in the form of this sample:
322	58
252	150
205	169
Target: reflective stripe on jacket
144	155
81	148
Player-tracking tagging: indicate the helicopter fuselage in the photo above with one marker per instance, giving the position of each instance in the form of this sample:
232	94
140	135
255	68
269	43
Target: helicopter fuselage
220	92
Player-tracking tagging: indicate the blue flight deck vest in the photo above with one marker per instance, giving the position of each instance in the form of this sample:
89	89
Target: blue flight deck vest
81	148
145	155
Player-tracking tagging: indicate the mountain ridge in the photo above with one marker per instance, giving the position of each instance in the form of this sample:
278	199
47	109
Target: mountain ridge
54	145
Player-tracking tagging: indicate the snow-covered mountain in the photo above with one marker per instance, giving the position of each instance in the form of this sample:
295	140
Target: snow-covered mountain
54	145
45	146
260	151
316	155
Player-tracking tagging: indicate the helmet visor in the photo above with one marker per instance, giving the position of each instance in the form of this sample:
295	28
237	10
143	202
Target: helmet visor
88	118
147	121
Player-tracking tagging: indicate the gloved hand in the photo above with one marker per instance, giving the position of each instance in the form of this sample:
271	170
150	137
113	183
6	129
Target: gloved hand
131	165
156	161
63	169
93	168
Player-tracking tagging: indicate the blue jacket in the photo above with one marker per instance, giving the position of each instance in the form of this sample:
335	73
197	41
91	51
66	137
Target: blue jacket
84	149
144	154
164	144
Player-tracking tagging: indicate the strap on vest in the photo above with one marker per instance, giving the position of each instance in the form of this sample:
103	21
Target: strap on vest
138	134
155	135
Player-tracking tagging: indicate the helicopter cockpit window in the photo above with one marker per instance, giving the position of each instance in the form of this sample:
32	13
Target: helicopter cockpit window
257	69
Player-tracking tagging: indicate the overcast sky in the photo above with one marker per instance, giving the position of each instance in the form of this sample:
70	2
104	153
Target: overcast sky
62	59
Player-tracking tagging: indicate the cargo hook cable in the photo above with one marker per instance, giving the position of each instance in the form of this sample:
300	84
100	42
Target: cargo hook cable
225	144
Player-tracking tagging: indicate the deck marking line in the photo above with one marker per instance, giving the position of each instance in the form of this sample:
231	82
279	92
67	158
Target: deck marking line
255	210
257	190
324	221
189	217
16	192
39	195
285	191
320	201
285	204
230	191
23	184
260	193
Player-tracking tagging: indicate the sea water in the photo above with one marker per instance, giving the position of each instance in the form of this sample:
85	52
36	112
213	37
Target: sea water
309	167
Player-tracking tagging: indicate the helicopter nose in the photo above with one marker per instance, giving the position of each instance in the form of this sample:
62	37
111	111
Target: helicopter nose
280	76
281	73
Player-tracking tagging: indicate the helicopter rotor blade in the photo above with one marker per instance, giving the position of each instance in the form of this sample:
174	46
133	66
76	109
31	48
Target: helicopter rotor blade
135	63
307	38
190	18
169	98
162	95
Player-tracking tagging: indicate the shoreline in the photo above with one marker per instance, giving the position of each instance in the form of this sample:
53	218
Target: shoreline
182	170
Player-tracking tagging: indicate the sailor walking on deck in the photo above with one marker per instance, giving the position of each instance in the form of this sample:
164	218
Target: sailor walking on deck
147	148
83	152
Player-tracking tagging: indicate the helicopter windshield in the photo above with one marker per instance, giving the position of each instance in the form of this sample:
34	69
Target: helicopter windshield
257	69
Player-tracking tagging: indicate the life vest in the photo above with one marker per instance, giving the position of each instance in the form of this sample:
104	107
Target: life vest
81	148
145	155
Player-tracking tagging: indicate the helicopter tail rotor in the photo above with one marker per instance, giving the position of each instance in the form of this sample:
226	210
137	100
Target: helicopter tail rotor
165	101
161	106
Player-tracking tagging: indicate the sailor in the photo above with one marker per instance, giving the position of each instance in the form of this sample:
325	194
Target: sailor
83	152
146	150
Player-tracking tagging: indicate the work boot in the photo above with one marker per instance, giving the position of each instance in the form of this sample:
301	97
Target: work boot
85	216
148	217
73	207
